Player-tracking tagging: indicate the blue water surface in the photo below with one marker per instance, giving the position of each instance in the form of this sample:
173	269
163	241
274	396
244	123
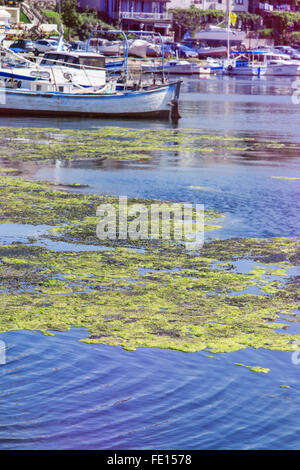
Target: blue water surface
59	393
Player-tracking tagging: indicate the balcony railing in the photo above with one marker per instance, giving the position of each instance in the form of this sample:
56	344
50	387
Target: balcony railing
135	15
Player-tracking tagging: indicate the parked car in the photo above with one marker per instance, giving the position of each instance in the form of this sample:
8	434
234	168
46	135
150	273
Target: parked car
183	51
22	45
45	45
76	46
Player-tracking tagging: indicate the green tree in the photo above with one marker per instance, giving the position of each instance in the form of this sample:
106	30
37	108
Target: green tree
85	25
69	15
80	24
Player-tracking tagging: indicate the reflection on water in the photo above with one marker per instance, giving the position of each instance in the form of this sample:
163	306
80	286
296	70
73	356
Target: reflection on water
197	91
253	87
99	397
260	205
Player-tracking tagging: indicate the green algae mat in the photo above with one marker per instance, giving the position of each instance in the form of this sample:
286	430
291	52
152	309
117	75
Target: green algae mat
230	295
126	144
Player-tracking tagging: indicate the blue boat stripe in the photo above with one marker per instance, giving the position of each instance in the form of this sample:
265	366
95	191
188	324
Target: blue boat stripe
50	94
16	77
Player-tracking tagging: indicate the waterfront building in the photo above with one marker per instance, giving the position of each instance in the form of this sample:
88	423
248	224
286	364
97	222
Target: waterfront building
9	15
237	5
145	15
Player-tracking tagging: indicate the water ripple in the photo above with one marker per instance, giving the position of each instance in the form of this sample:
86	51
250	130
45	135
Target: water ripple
65	394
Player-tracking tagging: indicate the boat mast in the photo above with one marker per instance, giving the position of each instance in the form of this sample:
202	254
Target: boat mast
228	27
59	15
60	27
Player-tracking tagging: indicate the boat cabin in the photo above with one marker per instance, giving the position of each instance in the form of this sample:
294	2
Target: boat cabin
76	59
263	56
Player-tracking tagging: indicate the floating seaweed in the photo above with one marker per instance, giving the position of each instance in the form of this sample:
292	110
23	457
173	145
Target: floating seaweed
121	143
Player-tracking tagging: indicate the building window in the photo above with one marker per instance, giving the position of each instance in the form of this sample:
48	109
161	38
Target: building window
239	2
155	7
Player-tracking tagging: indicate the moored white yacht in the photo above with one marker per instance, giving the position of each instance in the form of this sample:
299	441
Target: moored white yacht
258	63
214	33
280	65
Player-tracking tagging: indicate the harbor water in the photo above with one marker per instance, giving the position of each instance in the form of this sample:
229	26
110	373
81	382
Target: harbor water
59	393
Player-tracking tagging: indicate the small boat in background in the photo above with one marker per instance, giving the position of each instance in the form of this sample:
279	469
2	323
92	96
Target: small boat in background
205	52
244	64
178	67
262	62
105	47
281	65
216	34
136	47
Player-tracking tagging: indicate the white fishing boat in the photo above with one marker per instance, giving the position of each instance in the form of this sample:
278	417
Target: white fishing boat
244	64
54	90
258	63
64	99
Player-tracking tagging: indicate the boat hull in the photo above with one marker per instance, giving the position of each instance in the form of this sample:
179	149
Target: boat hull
246	71
286	70
177	68
220	36
212	52
147	103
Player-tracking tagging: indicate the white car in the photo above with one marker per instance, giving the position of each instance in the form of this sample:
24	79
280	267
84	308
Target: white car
45	45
